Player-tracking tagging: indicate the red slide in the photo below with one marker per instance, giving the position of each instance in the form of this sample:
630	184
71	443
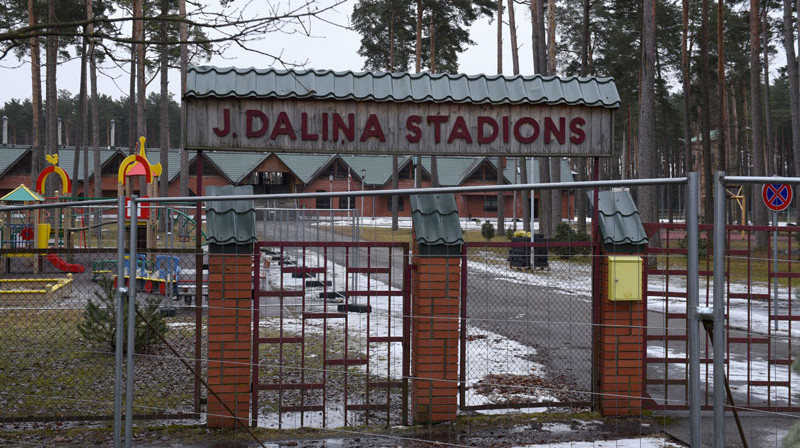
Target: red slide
59	262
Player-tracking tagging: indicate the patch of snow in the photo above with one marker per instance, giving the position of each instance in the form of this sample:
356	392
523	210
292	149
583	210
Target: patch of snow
645	442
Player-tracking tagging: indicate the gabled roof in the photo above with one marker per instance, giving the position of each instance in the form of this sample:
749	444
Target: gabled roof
66	160
227	82
173	161
10	155
305	166
236	166
379	168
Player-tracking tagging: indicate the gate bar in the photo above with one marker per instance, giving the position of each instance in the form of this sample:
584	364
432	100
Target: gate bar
403	191
692	302
133	268
121	292
719	310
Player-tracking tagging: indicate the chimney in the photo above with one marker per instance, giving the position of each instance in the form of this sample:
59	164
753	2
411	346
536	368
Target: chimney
5	130
59	132
112	140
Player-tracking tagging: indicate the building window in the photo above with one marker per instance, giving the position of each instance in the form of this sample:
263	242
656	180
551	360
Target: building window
489	204
400	204
323	202
347	203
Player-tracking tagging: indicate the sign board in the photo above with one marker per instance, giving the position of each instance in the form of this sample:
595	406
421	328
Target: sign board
776	197
142	210
372	127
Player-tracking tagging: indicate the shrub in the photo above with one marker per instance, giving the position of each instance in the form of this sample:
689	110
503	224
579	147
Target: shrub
509	234
702	246
99	322
566	234
487	230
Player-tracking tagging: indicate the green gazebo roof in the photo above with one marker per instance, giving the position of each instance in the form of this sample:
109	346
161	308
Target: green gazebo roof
22	194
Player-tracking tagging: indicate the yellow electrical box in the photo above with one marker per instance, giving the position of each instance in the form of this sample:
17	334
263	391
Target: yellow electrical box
624	278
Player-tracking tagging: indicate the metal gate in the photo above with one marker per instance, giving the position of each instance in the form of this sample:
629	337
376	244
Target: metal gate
331	334
759	318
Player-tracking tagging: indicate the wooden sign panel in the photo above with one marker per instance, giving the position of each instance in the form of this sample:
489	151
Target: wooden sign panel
359	127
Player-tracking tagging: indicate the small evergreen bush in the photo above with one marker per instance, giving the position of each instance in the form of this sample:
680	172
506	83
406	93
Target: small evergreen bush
487	230
99	324
566	234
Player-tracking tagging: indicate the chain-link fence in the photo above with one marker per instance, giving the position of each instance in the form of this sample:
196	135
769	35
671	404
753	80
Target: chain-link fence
58	317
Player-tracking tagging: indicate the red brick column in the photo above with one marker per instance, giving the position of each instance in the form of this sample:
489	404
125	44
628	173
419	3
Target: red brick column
621	348
436	286
229	337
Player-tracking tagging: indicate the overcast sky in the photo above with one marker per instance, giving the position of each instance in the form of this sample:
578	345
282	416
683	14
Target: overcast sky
329	47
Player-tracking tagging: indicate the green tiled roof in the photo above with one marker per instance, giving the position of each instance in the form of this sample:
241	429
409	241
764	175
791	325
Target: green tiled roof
379	168
217	82
436	225
66	160
9	156
230	222
236	165
620	224
305	166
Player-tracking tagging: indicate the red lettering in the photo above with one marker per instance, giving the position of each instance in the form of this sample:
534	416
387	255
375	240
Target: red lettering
250	114
283	127
437	121
460	130
412	124
348	129
550	129
304	135
578	134
226	123
373	129
484	120
324	126
506	125
518	127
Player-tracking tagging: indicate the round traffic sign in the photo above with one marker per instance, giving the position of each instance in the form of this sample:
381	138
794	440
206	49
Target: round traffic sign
776	196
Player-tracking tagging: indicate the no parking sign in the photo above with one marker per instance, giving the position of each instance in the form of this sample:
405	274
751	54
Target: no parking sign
776	196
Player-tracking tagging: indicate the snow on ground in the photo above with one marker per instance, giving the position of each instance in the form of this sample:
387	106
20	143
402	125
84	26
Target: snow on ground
495	353
740	371
645	442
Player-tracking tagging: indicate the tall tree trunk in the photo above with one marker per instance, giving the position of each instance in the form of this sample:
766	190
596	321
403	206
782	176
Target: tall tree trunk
81	126
553	162
540	67
184	33
37	151
163	182
687	130
705	118
418	62
51	45
390	68
770	153
434	159
141	94
759	216
522	165
794	87
501	161
581	200
723	136
95	114
539	47
648	164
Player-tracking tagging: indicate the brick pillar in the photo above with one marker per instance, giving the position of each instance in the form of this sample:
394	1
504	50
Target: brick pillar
435	337
230	305
621	347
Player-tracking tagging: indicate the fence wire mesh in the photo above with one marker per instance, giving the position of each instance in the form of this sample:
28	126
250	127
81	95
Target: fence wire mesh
525	324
